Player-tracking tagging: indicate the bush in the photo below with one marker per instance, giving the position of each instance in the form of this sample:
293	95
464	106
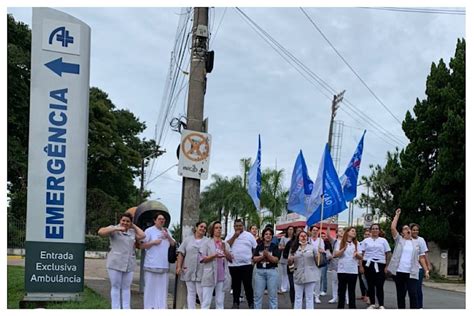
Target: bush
97	243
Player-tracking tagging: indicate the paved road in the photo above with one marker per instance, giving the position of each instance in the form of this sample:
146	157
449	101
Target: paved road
97	279
433	298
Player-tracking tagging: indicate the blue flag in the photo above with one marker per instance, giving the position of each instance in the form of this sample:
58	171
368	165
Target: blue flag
255	179
301	187
326	184
349	178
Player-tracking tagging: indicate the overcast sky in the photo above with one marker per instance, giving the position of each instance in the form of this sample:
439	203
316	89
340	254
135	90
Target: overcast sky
253	90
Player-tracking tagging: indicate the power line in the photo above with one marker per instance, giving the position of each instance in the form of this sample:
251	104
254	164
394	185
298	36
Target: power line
421	10
162	173
350	67
289	56
218	26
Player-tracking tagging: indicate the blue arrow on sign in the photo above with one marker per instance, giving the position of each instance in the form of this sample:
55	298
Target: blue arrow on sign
58	67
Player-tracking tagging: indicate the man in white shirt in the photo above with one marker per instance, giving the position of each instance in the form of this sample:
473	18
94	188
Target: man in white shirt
241	244
157	241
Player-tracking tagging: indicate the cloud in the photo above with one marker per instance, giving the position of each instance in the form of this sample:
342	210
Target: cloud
253	90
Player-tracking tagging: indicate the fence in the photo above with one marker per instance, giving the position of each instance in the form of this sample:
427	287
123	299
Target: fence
16	233
16	237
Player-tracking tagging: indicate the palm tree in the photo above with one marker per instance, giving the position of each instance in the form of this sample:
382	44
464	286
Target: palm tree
273	196
225	198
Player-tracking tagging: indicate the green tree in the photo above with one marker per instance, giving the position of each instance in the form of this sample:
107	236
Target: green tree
427	178
18	98
273	196
175	231
115	150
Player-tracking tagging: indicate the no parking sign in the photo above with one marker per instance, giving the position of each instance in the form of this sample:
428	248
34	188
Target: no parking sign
194	154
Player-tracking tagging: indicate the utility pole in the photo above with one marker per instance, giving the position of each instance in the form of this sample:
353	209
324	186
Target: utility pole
197	89
335	105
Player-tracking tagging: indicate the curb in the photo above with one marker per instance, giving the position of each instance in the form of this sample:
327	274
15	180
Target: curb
453	287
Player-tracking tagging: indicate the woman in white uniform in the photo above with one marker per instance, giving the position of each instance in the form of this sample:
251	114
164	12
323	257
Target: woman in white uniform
191	269
121	260
215	255
303	255
348	267
404	264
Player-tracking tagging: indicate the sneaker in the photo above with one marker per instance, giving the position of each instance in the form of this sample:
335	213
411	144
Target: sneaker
372	307
381	307
235	306
333	301
322	293
317	300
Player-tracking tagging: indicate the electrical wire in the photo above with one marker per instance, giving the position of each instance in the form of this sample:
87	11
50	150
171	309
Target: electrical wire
218	27
348	65
289	56
162	173
419	10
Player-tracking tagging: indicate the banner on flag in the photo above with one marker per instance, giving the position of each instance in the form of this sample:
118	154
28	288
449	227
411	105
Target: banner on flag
326	184
301	187
349	178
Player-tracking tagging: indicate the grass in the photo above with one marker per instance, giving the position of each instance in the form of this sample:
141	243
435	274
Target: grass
435	277
16	291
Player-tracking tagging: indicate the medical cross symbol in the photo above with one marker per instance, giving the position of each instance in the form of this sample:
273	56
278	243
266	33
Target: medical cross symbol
62	35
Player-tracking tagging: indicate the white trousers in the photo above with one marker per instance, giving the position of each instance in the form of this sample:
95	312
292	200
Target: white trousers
156	290
207	296
334	284
285	284
317	285
193	288
120	284
307	289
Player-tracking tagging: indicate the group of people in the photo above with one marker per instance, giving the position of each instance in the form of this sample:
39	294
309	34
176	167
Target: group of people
212	266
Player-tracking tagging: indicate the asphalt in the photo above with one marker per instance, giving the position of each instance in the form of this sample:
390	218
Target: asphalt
436	295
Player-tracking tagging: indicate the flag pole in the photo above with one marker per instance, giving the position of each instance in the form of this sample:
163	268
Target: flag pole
321	226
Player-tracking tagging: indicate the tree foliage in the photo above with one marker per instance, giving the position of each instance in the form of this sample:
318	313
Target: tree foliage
115	150
427	178
227	198
18	74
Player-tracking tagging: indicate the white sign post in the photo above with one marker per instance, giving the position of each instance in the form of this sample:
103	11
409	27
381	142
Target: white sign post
57	156
194	154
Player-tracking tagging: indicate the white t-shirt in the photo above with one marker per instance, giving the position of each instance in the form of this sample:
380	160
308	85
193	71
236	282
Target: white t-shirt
156	255
405	259
423	247
242	249
318	242
347	263
375	249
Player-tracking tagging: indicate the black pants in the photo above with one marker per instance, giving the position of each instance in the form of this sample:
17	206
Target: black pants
404	284
346	281
292	286
242	274
375	282
363	289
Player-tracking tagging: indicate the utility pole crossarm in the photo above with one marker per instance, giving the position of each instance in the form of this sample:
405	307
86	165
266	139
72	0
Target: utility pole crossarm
334	106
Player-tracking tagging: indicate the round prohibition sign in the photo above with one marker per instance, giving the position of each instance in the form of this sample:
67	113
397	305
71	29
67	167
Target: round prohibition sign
195	147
